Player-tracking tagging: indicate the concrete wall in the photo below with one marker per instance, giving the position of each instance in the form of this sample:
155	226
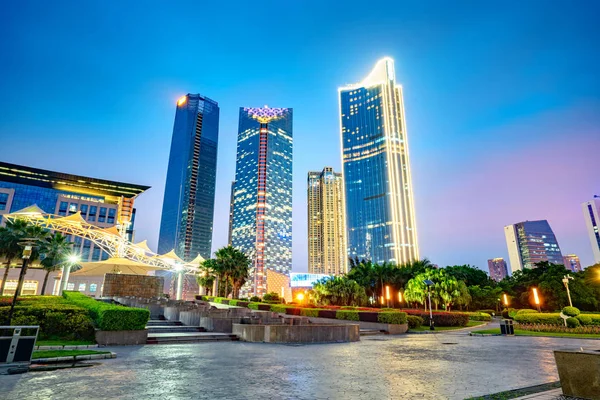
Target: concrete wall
121	338
579	373
315	333
393	329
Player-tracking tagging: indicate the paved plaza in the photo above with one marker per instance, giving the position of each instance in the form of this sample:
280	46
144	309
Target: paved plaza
440	366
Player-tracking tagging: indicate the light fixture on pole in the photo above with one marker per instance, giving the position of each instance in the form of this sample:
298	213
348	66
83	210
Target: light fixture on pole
387	295
72	259
505	298
536	299
400	299
566	283
429	285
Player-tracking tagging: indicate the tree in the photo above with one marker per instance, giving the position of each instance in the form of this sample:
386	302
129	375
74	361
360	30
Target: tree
55	251
338	291
444	291
470	275
232	266
10	236
206	275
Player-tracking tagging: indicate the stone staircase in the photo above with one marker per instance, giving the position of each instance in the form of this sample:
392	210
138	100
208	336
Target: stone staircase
174	332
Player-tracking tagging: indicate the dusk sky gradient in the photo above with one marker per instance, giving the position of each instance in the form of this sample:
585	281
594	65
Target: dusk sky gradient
502	101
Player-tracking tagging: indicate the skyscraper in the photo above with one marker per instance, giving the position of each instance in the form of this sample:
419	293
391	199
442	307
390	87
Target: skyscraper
380	214
187	215
531	242
326	223
591	213
498	269
572	263
230	213
262	198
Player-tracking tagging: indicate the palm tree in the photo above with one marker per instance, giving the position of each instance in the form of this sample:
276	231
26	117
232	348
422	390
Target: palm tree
10	236
234	267
207	274
55	249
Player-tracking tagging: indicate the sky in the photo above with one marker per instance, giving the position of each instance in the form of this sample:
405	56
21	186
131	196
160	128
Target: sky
502	101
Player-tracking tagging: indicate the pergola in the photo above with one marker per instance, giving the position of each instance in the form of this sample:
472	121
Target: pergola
111	240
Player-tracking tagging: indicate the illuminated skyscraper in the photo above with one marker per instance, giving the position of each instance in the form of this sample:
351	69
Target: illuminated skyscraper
498	269
262	198
591	213
572	263
378	190
326	223
187	216
531	242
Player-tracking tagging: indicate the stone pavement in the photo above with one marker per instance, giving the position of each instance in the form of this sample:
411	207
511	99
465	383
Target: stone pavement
442	366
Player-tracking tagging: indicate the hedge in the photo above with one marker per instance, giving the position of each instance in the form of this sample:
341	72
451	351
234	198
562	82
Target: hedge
479	316
414	321
391	317
368	316
527	311
328	314
589	319
539	318
350	315
110	317
571	311
442	318
491	312
310	312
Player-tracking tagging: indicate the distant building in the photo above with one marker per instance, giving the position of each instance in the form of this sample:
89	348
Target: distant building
301	282
186	223
380	213
572	263
262	198
498	269
530	242
230	213
591	213
326	223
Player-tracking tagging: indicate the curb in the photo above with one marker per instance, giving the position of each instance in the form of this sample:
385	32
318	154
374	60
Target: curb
487	334
53	360
67	347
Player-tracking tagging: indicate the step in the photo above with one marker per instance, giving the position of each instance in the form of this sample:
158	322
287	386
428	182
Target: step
371	332
174	329
163	323
188	337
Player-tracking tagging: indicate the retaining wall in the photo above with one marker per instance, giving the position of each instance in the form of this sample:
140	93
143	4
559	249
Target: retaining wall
314	333
118	338
392	329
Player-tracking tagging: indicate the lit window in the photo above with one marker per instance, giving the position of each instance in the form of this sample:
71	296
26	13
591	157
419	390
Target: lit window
81	287
70	286
93	287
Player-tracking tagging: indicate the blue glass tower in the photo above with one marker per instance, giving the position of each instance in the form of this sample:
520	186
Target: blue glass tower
380	216
187	216
531	242
262	193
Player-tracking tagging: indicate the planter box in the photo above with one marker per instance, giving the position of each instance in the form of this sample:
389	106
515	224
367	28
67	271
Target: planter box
579	371
392	329
314	333
121	338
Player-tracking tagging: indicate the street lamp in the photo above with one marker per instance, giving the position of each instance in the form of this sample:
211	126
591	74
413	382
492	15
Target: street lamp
429	285
72	259
387	295
505	298
300	297
400	299
566	283
536	299
29	245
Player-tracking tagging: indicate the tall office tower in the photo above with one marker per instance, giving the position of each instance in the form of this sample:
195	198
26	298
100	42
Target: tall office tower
380	214
230	213
262	198
498	269
326	224
591	213
572	263
187	216
531	242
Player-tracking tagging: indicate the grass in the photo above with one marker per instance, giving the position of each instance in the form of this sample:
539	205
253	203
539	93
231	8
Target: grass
63	343
64	353
448	328
519	332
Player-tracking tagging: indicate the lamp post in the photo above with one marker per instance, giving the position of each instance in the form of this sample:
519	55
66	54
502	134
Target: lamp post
28	246
536	299
566	283
400	299
505	298
387	295
73	259
429	285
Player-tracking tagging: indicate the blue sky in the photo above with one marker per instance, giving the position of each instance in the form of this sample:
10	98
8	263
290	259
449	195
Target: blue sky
502	100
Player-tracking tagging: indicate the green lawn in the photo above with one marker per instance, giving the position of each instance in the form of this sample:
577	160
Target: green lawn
519	332
64	353
63	343
448	328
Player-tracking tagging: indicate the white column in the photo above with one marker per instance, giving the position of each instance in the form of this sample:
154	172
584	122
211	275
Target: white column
180	276
65	277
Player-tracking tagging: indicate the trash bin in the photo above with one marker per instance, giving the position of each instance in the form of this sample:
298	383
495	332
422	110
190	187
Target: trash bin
507	327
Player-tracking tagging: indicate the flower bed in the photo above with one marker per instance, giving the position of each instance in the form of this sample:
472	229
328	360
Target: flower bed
559	328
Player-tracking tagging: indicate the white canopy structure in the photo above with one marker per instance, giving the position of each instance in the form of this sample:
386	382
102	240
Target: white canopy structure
114	265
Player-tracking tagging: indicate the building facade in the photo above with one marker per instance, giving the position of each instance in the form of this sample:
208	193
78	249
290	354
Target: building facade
262	198
187	216
100	202
380	214
531	242
326	223
498	269
591	214
572	263
230	213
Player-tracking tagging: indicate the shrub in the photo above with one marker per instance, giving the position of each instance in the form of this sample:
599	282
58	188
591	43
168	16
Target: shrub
505	314
512	313
110	317
264	307
327	313
253	306
233	302
349	307
368	316
350	315
254	299
490	312
591	319
573	322
391	317
527	311
539	318
272	296
414	321
310	312
293	310
278	308
479	316
571	311
242	303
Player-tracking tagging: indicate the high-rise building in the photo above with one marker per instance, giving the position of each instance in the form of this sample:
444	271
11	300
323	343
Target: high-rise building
326	223
262	198
591	213
498	269
230	213
380	214
572	263
187	216
531	242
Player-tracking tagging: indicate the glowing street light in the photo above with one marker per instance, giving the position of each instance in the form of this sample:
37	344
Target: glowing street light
72	259
536	298
505	298
300	297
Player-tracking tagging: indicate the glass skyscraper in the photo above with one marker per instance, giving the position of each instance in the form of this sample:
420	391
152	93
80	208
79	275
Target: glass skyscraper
531	242
591	213
378	190
187	216
498	269
262	193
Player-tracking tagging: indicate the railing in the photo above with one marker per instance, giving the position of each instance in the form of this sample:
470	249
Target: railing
17	343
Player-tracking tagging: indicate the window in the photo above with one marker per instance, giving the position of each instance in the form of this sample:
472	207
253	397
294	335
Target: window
111	215
92	214
70	286
3	201
72	208
93	287
81	287
29	288
84	209
62	209
102	216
